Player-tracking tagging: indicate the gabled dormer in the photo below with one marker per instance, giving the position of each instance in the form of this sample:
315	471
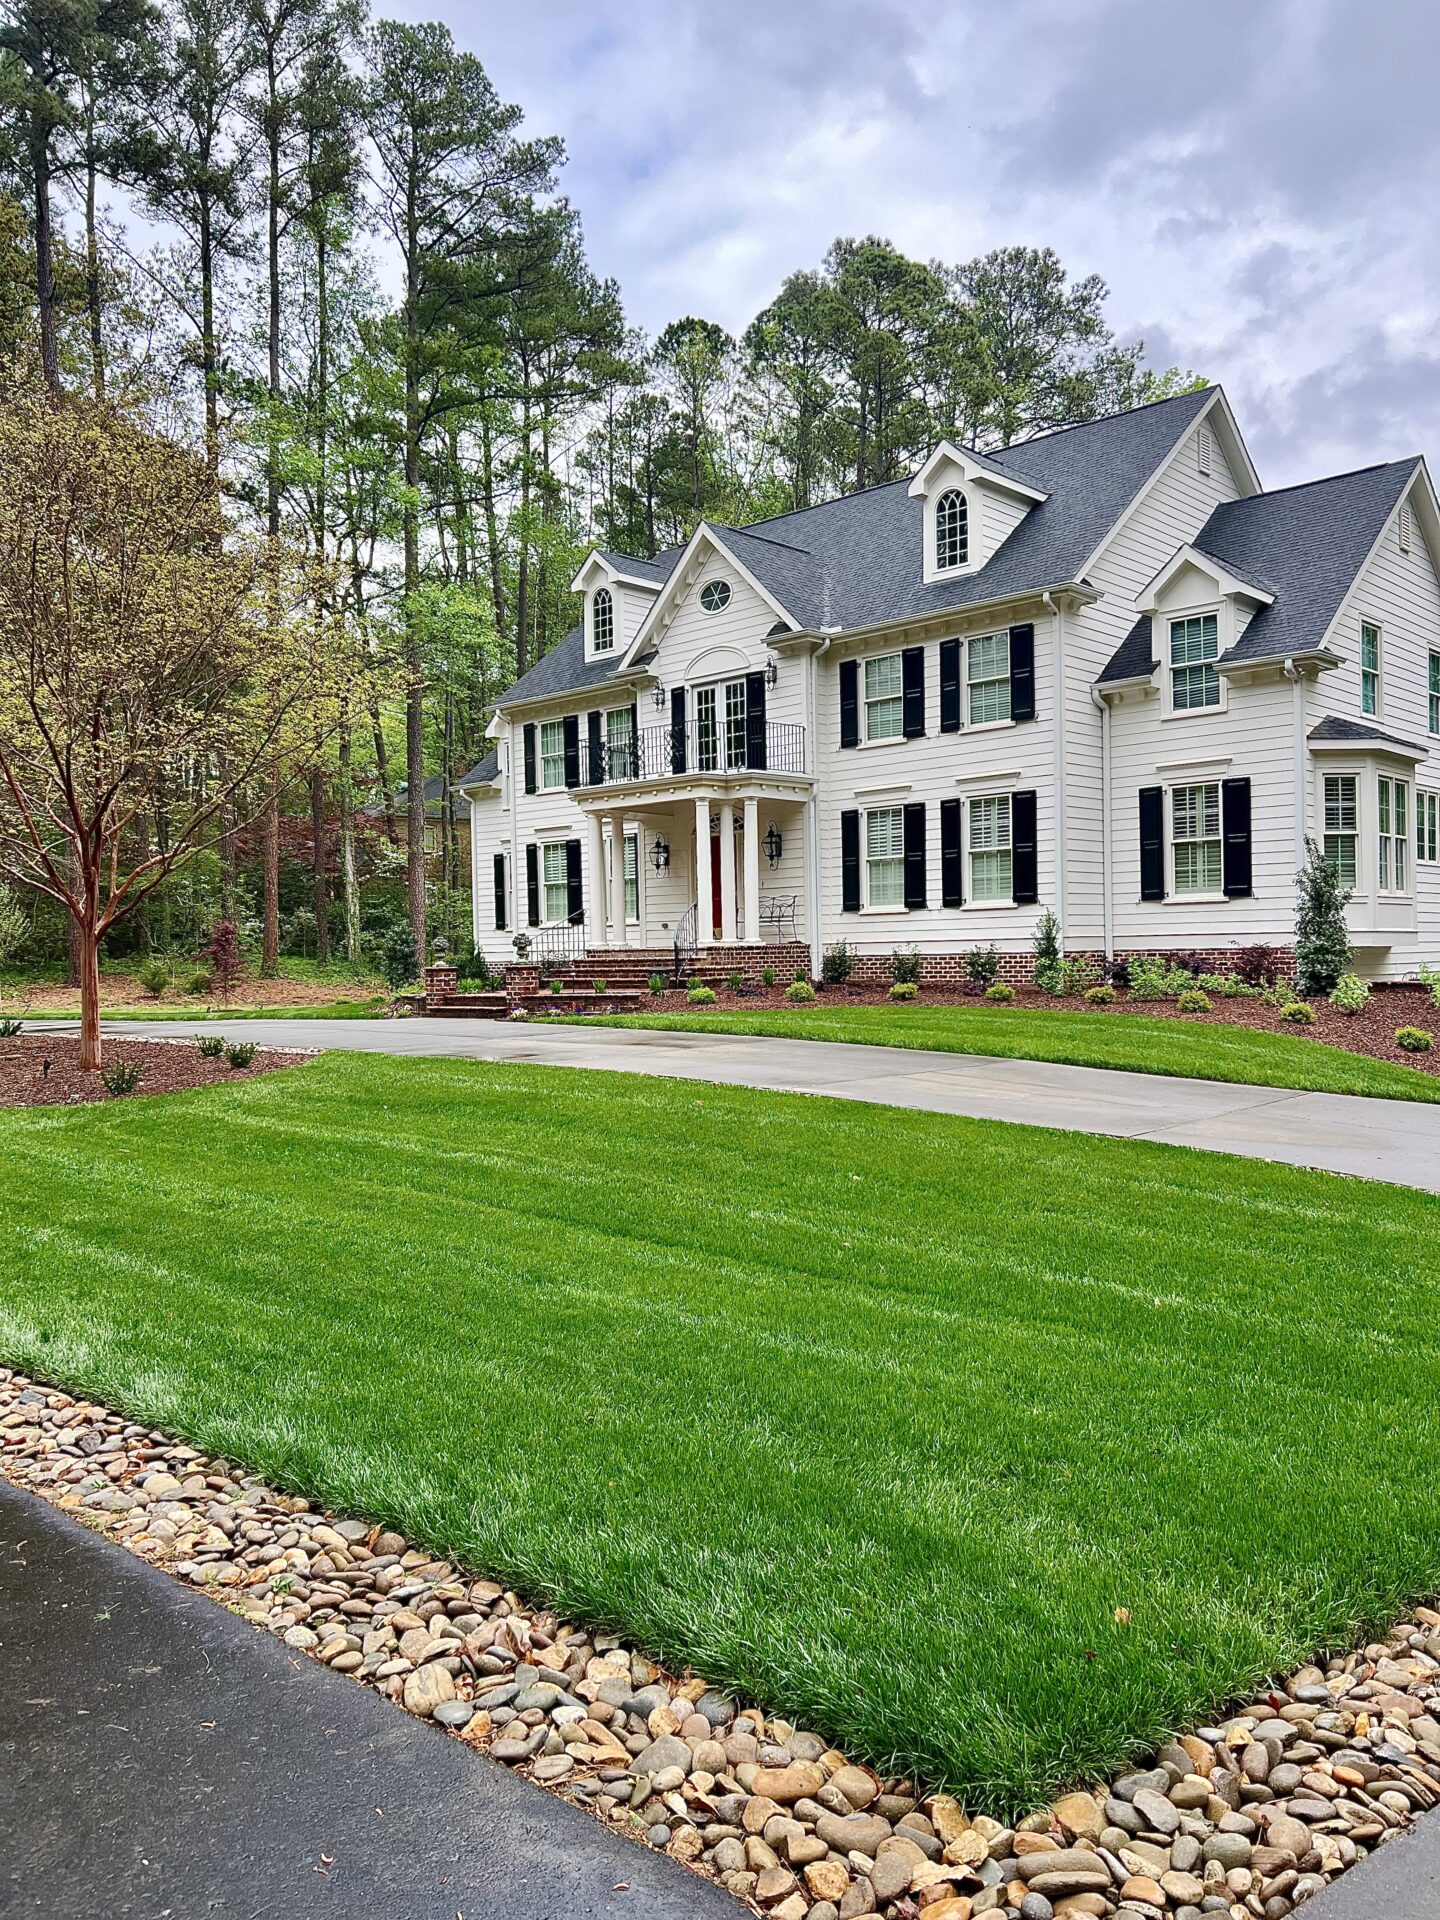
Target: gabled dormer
615	604
971	508
1198	609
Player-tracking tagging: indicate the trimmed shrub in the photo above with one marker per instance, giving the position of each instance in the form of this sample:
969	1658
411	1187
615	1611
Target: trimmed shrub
1079	975
799	993
1322	940
1258	965
1193	1002
1350	993
982	966
210	1044
121	1077
1210	982
905	966
1101	996
657	983
1048	956
1232	987
1413	1039
836	963
903	990
701	996
1298	1014
154	977
999	993
1155	977
239	1054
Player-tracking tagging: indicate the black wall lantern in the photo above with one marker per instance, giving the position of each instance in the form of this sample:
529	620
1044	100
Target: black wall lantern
772	671
659	695
660	853
774	845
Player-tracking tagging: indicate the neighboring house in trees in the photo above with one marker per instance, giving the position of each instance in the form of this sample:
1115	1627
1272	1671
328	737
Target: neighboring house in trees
1100	671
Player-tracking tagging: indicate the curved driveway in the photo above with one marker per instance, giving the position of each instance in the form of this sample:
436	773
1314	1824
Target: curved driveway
1394	1140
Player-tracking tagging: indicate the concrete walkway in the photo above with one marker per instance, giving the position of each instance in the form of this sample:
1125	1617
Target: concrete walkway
159	1757
1394	1140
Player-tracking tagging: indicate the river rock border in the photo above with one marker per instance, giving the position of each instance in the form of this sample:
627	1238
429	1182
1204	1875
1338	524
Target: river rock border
1247	1818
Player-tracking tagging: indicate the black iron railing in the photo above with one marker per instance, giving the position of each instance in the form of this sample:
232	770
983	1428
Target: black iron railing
685	940
555	947
657	753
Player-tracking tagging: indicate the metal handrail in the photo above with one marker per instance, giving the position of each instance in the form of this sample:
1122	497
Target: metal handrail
685	939
555	946
657	753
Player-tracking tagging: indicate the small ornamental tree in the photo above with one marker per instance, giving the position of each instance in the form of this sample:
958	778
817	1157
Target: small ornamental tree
1322	940
223	955
150	658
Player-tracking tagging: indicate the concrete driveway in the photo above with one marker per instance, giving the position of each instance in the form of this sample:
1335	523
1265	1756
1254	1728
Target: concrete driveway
1393	1140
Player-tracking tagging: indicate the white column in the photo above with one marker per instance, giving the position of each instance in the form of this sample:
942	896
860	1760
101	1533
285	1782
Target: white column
727	874
750	892
594	880
617	881
704	936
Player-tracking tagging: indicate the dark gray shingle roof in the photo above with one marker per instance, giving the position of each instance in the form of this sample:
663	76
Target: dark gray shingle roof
1135	655
482	771
1305	545
1333	727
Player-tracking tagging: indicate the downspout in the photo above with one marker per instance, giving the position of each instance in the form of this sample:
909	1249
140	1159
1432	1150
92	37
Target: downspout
1297	711
1105	825
812	809
1057	694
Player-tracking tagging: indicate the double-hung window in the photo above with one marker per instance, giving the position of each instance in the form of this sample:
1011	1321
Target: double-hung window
991	869
552	753
1194	677
1391	808
632	877
987	676
1435	693
1195	838
1369	668
885	857
1341	825
620	743
1427	825
557	882
884	698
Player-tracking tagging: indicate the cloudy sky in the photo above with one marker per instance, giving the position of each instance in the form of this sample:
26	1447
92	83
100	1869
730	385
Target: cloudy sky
1256	179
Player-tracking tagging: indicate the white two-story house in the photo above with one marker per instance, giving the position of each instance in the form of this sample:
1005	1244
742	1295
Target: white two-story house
1101	672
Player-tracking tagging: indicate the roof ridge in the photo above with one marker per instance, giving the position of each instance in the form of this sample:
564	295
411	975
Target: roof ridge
1101	419
1325	480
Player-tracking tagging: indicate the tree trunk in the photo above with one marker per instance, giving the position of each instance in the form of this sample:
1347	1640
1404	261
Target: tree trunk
348	879
270	935
89	977
44	265
317	837
93	304
414	680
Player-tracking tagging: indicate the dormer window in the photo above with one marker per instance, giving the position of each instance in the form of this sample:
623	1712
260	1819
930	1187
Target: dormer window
952	530
602	621
1194	647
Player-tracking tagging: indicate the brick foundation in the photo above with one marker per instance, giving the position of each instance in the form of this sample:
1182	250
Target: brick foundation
1018	969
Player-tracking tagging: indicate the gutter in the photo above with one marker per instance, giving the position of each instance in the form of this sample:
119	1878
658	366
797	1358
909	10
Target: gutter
1297	724
812	807
1083	594
1106	831
1057	772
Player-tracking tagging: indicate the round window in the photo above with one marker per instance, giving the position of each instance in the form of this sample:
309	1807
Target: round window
714	595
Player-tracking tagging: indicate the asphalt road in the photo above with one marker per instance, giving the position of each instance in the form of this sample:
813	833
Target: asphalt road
162	1760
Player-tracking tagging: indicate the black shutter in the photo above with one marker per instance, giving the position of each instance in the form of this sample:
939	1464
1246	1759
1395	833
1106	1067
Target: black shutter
529	756
850	861
849	703
950	686
595	747
575	904
952	864
532	883
1235	826
1152	843
916	891
1024	854
912	682
755	722
1022	673
635	768
500	901
677	729
572	749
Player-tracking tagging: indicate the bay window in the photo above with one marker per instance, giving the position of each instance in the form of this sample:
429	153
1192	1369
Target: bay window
1195	838
1341	825
1392	799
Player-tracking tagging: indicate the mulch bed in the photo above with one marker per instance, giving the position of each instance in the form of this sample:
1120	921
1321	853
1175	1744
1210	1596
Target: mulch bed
1371	1031
43	1069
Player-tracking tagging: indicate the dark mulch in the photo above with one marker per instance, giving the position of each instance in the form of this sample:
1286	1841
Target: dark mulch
43	1069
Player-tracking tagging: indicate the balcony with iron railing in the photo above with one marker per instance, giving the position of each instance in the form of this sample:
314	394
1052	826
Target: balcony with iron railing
662	753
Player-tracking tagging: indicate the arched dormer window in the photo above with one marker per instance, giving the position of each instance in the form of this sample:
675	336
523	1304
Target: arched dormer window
602	621
952	530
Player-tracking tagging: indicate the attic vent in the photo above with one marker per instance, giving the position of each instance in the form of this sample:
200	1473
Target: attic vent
1405	520
1202	449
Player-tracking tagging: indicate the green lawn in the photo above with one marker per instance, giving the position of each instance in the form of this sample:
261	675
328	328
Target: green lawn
877	1416
1135	1042
372	1008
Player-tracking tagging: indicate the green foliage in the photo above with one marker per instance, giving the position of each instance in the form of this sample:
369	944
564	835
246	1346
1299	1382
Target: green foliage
1193	1001
1079	975
121	1077
1232	987
735	981
1350	993
239	1054
767	976
1298	1013
1153	977
836	963
1322	941
701	996
1413	1039
599	985
9	1027
1430	977
799	993
197	983
905	966
210	1045
1259	965
154	977
1048	956
982	966
657	983
903	990
1101	996
999	993
399	963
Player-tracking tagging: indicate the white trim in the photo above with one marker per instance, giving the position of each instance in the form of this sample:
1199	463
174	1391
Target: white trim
971	468
1431	512
1227	583
683	576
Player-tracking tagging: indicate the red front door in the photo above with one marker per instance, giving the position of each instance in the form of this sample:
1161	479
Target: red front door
716	917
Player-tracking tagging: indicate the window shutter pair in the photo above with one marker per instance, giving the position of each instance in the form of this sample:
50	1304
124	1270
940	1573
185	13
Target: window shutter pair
1022	672
755	721
913	846
572	749
595	749
1235	841
501	913
677	729
575	902
531	783
532	884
